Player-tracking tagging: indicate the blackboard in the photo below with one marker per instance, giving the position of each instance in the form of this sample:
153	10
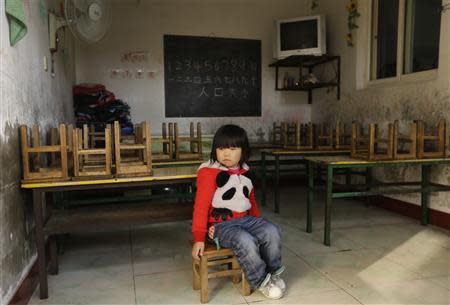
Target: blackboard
212	77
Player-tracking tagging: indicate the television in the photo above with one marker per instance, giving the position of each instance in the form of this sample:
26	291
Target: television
300	36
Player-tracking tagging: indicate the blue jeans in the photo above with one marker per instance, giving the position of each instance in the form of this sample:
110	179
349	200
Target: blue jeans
256	242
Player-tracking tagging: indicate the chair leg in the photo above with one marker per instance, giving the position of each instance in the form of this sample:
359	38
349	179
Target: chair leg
246	290
235	266
195	275
204	279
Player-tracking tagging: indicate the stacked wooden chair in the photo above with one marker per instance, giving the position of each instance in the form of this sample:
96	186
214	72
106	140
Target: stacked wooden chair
94	138
304	137
133	157
343	137
44	163
55	158
90	160
165	143
372	146
405	145
278	135
324	137
289	133
193	141
431	144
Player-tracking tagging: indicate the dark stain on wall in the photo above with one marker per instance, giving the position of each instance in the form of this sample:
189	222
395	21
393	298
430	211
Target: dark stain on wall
17	216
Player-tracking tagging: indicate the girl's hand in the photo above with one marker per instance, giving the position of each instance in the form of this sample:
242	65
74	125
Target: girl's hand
211	232
197	249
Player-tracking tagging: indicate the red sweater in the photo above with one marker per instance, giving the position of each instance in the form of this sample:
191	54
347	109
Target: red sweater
206	188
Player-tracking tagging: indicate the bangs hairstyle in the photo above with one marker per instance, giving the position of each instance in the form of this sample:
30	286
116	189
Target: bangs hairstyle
231	136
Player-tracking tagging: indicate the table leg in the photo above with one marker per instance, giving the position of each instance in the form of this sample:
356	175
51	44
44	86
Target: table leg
425	193
53	249
348	176
329	194
40	242
310	196
369	184
276	186
263	179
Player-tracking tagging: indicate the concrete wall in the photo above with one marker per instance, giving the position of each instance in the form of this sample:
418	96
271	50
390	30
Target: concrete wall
140	26
425	98
29	95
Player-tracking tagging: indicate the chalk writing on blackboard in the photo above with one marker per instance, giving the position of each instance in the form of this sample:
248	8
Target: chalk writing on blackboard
211	77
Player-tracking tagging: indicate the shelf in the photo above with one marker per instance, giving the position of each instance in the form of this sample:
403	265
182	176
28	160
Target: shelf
303	60
308	62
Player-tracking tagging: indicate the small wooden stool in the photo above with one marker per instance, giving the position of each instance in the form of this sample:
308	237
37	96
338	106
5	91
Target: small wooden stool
214	258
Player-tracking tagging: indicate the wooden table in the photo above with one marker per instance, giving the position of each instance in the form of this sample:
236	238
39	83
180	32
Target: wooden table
291	157
75	220
370	188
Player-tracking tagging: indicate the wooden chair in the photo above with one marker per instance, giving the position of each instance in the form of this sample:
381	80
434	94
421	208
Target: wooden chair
303	136
324	136
431	145
194	141
372	147
360	140
37	159
84	166
405	146
93	138
222	259
54	140
279	134
141	162
343	139
166	142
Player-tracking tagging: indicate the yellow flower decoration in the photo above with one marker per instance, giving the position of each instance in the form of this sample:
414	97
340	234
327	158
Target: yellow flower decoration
353	14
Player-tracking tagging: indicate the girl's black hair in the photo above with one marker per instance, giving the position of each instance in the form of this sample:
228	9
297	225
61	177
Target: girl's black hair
231	136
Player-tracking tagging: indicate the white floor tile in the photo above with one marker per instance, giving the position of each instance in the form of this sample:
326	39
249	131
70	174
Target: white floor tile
409	292
176	288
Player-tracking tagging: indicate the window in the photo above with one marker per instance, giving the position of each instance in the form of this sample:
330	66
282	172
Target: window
405	37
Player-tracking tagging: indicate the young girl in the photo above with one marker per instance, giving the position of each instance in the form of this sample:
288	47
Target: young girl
225	207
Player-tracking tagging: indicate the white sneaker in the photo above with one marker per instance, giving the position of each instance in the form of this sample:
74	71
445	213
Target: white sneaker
277	280
269	289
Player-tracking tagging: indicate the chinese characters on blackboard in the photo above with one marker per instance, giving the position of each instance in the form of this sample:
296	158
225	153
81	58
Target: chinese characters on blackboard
209	77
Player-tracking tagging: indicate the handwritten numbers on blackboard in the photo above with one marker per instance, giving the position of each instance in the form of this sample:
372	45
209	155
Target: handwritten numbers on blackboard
212	77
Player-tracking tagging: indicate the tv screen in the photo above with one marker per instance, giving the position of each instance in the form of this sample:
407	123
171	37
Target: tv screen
298	35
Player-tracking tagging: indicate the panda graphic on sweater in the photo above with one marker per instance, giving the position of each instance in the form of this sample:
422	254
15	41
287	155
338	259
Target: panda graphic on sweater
232	194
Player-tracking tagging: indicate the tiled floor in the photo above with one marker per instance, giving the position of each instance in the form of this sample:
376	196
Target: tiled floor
376	257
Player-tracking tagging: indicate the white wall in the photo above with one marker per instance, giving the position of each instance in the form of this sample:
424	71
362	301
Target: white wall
427	99
140	25
29	95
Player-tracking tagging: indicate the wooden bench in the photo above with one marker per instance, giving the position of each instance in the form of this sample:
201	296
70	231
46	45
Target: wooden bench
223	259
